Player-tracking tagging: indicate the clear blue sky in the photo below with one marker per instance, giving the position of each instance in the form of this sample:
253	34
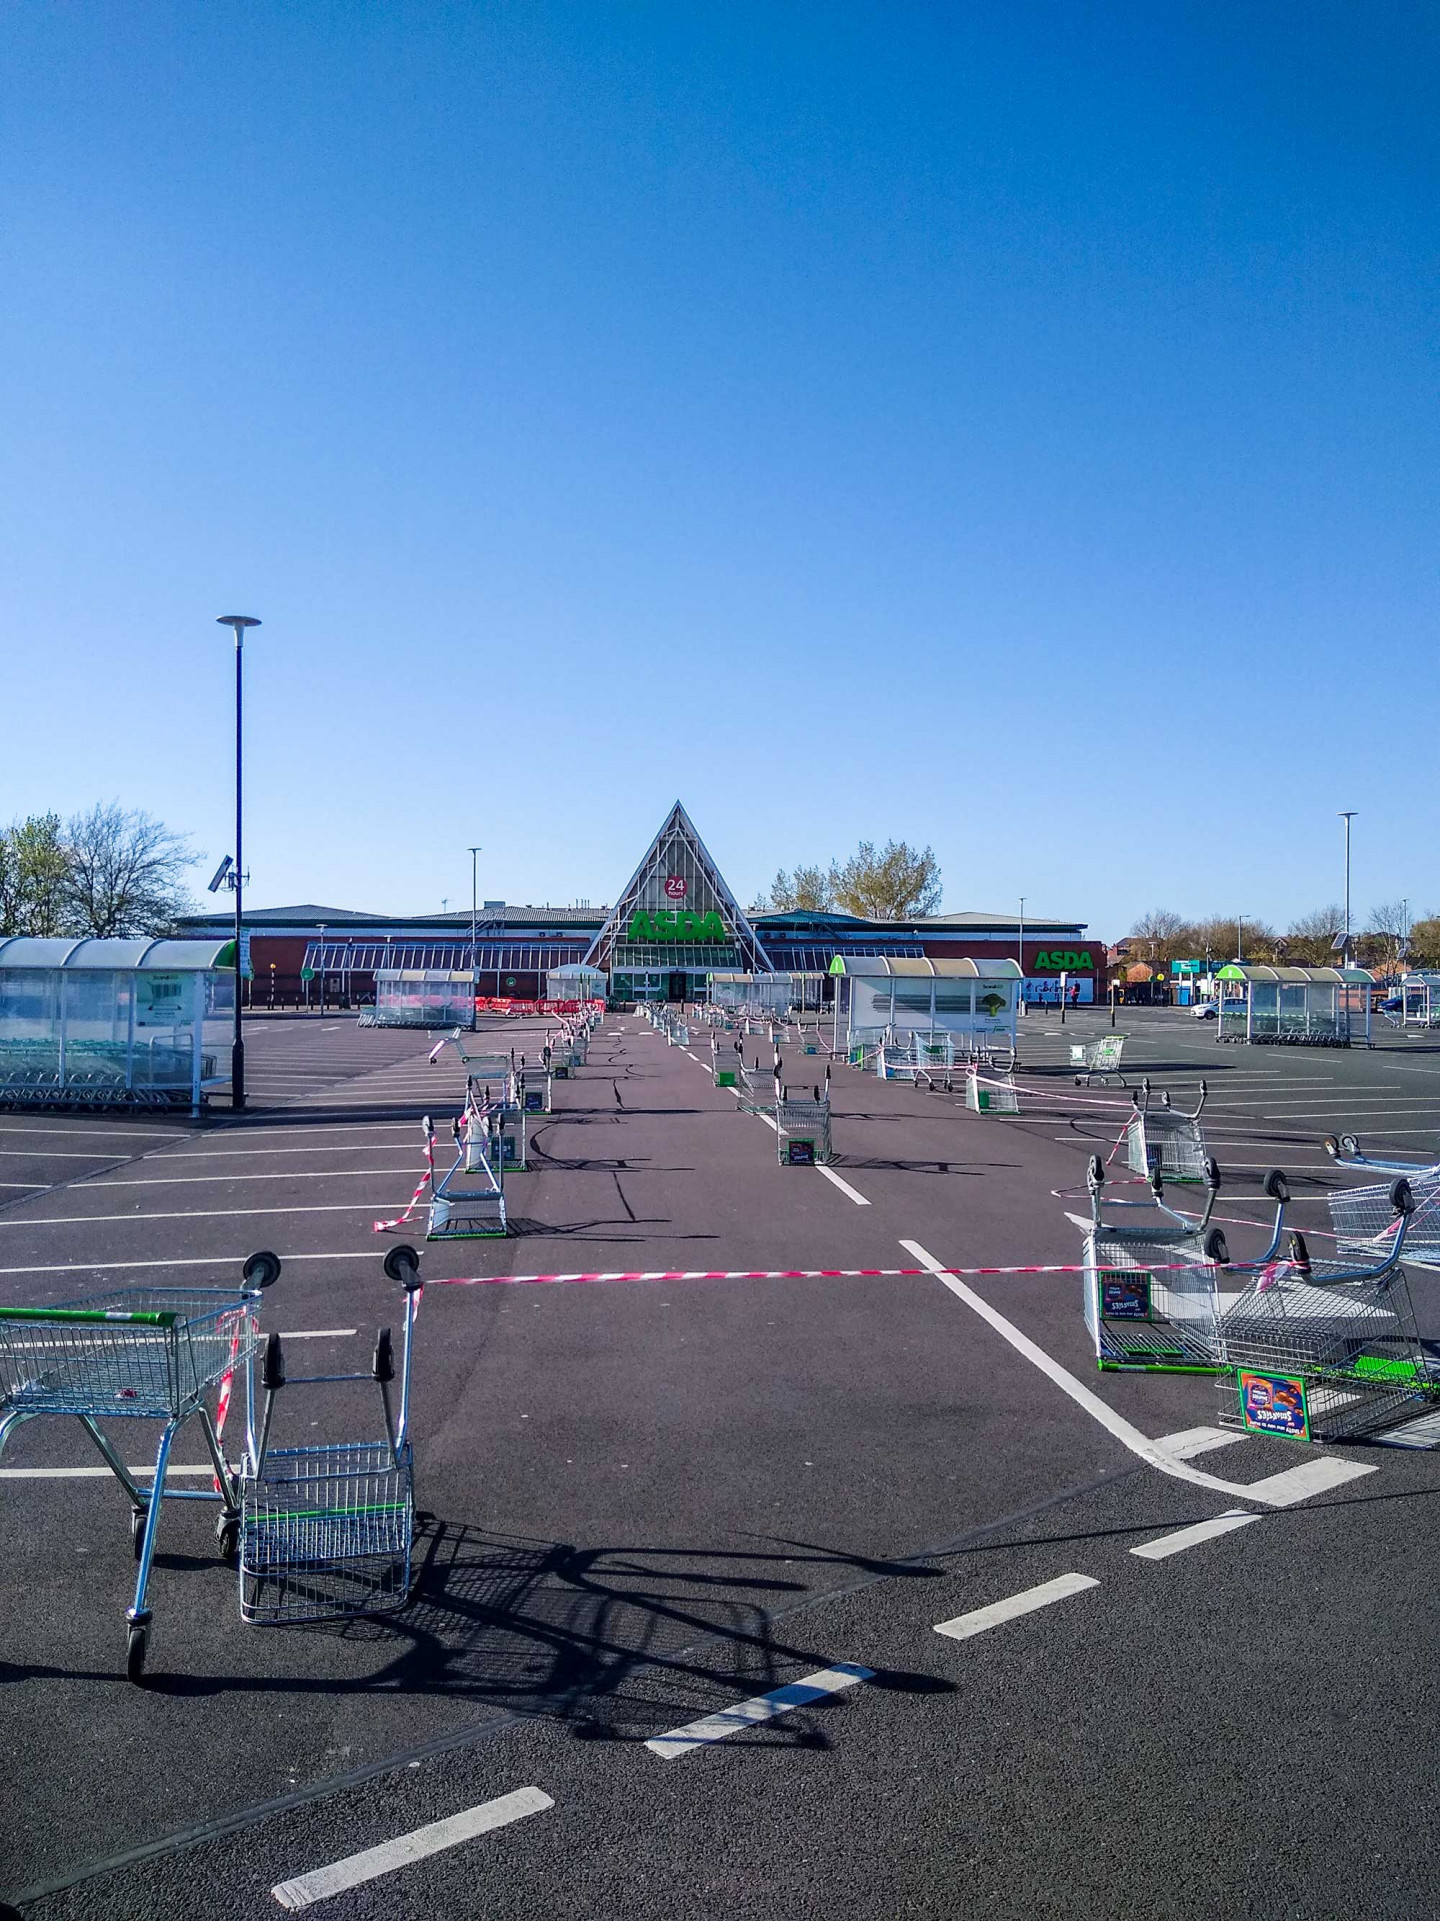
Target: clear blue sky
1010	427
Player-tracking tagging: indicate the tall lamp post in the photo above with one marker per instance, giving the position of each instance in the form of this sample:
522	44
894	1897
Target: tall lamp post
474	930
1347	815
239	622
1022	953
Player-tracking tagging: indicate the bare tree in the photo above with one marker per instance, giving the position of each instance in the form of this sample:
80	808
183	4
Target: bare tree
1163	935
896	883
1310	938
126	872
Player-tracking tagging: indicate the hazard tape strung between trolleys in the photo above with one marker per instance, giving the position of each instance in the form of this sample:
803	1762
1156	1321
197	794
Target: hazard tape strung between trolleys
776	1274
382	1227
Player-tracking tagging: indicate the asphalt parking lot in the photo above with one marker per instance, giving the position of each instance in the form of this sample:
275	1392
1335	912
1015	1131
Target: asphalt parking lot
646	1502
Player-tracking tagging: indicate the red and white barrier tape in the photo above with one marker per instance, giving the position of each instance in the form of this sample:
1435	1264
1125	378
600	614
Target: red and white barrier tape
770	1274
383	1227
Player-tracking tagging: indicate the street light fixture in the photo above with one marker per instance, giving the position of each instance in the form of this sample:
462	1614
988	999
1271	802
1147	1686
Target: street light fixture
239	622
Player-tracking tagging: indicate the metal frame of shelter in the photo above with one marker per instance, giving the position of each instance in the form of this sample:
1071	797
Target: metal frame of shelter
421	997
1294	1006
95	1023
1421	1000
678	857
912	1008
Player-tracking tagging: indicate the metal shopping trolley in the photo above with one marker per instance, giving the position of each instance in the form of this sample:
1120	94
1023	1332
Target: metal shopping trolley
1326	1348
1152	1298
1098	1060
802	1124
1165	1137
990	1093
140	1353
326	1531
1362	1216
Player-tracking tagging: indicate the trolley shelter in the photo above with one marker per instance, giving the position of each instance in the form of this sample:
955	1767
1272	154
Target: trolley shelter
878	998
578	983
767	994
1296	1006
114	1023
1421	1000
422	997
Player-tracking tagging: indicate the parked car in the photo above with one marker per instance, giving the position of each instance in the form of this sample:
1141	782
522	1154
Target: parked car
1205	1011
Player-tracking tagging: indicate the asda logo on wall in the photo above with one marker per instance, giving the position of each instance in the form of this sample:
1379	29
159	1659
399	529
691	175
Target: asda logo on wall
671	928
1064	960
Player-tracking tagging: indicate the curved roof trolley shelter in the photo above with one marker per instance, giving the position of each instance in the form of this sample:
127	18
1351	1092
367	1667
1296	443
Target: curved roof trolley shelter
1295	1006
578	983
114	1023
1421	993
422	997
880	999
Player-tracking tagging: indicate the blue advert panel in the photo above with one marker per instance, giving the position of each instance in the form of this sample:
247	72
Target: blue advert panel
1124	1295
1274	1404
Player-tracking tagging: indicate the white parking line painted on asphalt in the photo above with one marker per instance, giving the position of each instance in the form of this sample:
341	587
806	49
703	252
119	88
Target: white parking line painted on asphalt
194	1214
286	1174
409	1129
1176	1543
1191	1441
1124	1431
93	1473
1299	1483
192	1260
760	1708
844	1186
317	1333
979	1619
29	1187
58	1154
105	1133
306	1889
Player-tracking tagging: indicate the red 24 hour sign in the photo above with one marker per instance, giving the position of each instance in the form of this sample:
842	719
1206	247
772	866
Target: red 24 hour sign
676	887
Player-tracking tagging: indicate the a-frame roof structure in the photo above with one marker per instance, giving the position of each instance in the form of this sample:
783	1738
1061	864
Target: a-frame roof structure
677	854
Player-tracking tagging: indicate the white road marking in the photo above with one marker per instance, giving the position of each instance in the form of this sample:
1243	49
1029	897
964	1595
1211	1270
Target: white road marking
1191	1441
105	1133
194	1260
1184	1537
194	1214
760	1708
317	1333
408	1128
58	1154
844	1186
1299	1483
355	1869
979	1619
92	1473
29	1187
286	1174
1124	1431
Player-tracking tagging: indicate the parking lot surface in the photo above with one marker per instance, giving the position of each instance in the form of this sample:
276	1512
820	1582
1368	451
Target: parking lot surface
834	1594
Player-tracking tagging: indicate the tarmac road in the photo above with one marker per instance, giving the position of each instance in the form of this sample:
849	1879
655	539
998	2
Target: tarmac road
647	1502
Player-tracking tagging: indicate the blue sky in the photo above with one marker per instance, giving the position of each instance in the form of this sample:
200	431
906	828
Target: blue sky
1011	428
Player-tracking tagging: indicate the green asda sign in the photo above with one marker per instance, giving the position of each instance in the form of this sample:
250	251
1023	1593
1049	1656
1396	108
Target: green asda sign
1064	960
668	928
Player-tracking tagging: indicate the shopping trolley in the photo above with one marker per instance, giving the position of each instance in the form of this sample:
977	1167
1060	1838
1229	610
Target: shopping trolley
326	1531
990	1093
1326	1348
725	1064
1361	1216
140	1353
1150	1289
802	1124
1165	1136
1098	1060
467	1203
535	1085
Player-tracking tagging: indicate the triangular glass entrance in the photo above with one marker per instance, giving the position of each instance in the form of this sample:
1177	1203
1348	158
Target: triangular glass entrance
676	915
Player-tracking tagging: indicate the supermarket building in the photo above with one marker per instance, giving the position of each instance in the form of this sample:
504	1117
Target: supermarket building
674	923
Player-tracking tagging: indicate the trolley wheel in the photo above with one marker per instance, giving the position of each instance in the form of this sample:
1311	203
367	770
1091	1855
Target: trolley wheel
136	1643
1350	1144
1332	1147
227	1533
137	1530
1079	1079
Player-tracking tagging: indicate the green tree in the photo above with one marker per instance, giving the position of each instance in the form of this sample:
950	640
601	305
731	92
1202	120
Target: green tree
34	870
897	883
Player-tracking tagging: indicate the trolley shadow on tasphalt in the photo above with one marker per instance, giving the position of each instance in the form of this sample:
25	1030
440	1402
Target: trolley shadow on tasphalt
140	1353
326	1531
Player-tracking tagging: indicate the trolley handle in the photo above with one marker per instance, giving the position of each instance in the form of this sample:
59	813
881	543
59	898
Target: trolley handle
88	1316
